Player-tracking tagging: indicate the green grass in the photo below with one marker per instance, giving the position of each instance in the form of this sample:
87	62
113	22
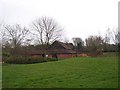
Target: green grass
0	75
82	72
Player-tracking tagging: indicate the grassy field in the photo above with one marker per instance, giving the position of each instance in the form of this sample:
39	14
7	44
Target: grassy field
81	72
0	75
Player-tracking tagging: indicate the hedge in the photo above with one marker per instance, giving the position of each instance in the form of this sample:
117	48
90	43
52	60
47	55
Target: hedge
27	60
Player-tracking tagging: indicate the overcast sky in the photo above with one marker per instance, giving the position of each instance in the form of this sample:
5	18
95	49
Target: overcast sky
80	18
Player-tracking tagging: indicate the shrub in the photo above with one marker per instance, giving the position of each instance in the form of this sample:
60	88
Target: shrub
52	59
36	59
15	59
23	60
27	60
5	55
95	54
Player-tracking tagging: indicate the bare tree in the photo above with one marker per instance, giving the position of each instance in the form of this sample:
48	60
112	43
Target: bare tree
15	35
111	38
115	36
77	40
3	39
94	43
78	43
47	30
1	34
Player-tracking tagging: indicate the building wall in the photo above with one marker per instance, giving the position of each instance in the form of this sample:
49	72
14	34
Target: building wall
49	55
37	55
66	55
62	55
81	55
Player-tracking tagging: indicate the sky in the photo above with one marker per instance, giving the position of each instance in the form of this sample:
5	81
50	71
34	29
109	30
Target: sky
79	18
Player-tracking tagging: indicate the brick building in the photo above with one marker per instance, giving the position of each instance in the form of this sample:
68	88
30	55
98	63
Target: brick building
56	50
61	50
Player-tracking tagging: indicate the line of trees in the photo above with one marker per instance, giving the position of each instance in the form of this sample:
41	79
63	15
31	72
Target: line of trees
44	31
111	42
16	39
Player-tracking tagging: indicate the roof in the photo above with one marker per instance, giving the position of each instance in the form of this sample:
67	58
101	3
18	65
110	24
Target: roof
55	45
70	45
55	48
60	47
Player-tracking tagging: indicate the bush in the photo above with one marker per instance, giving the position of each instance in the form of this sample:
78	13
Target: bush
15	59
52	59
23	60
110	54
5	55
27	60
95	54
36	60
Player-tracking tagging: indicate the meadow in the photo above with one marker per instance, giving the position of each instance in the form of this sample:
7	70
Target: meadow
0	75
79	72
